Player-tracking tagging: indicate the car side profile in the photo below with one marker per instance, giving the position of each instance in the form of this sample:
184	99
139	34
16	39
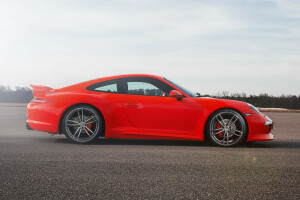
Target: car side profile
143	106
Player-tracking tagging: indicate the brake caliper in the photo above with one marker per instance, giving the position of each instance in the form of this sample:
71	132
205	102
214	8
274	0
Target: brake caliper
220	134
90	124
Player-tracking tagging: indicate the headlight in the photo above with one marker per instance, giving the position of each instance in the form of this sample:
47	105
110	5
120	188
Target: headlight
253	108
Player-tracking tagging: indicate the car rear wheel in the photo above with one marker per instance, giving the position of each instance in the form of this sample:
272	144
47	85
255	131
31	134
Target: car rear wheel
226	128
82	124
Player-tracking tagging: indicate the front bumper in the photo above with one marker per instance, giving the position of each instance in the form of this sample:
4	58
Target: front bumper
260	127
270	124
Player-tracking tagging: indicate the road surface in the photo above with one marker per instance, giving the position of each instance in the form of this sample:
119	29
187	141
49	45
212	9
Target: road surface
37	165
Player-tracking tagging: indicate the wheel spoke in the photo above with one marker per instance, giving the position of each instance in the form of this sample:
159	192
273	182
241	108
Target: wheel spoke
76	131
82	119
90	119
221	123
217	129
234	121
74	122
91	122
78	114
89	130
85	129
79	133
231	119
227	138
219	132
222	120
224	136
234	133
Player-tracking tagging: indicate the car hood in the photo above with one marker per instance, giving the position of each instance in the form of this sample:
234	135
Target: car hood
241	106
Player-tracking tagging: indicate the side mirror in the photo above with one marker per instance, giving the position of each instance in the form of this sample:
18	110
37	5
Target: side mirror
176	94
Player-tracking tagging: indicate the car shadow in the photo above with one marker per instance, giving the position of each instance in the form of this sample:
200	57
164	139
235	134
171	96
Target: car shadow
141	142
285	144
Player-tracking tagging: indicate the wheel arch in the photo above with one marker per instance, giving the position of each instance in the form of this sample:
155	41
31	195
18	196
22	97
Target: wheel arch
225	108
60	128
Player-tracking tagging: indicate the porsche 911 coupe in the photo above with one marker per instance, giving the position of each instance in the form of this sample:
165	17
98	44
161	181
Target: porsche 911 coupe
140	106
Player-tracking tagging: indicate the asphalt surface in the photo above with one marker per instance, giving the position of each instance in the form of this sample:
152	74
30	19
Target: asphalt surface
37	165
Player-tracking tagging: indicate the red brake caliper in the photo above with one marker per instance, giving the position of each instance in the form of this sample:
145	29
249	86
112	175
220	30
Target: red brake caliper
90	124
219	126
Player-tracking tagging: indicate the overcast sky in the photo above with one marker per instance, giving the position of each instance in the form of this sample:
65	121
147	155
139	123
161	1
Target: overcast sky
250	46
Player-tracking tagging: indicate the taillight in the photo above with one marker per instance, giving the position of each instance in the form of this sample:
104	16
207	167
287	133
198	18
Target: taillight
40	100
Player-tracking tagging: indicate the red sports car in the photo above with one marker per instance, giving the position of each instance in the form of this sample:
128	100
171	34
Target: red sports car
143	107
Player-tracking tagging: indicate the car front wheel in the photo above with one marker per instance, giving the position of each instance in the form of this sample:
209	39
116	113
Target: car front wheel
226	128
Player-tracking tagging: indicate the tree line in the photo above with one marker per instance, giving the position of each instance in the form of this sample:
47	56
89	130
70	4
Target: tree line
262	100
18	95
24	95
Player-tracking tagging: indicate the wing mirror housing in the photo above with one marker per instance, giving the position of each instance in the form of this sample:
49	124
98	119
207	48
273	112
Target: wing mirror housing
176	94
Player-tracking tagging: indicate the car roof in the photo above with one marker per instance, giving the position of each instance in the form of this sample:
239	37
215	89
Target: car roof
90	82
122	76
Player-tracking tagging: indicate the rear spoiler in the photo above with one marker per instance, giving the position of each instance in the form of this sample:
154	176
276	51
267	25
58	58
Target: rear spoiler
39	90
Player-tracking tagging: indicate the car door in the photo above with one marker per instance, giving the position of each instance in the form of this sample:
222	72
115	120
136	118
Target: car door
148	107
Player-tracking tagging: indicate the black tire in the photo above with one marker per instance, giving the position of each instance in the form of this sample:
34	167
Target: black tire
226	127
82	124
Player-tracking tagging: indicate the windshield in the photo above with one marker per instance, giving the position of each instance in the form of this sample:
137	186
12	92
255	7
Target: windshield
186	91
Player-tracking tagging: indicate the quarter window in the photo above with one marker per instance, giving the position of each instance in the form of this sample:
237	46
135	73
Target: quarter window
112	88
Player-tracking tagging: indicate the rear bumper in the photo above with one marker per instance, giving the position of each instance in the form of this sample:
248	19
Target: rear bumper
42	117
40	126
28	127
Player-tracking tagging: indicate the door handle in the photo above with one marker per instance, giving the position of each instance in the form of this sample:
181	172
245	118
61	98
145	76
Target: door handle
131	105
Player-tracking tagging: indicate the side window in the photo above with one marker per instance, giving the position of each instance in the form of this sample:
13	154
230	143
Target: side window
142	88
146	86
112	88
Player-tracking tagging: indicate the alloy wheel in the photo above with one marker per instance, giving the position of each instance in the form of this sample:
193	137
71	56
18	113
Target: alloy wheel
227	128
82	124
